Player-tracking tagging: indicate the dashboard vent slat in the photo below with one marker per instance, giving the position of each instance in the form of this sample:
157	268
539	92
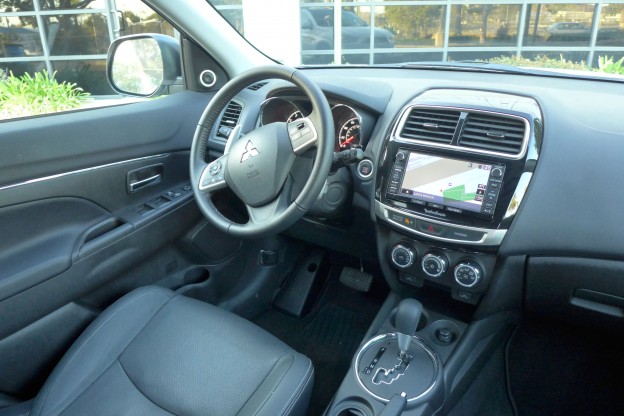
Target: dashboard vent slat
229	119
493	133
257	85
430	125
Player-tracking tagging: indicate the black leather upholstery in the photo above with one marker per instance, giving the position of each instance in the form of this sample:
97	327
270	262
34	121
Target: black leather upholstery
157	353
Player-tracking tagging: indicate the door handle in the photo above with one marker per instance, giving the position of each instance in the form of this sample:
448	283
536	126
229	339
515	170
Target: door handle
152	180
143	177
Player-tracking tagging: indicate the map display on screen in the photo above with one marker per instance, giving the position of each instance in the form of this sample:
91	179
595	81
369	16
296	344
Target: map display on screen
456	183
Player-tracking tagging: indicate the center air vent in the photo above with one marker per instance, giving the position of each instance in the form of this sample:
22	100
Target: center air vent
431	125
229	119
493	133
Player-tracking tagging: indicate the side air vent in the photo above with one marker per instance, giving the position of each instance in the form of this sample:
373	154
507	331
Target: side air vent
493	133
229	119
257	86
431	125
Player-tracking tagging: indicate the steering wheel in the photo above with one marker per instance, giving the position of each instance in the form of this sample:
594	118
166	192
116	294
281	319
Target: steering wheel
257	166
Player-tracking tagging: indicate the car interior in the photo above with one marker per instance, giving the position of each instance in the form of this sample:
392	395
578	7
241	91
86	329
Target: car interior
319	240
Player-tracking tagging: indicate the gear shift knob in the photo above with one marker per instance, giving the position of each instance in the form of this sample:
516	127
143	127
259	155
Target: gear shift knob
408	315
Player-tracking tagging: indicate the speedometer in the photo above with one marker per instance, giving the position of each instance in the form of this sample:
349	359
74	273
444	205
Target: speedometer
349	134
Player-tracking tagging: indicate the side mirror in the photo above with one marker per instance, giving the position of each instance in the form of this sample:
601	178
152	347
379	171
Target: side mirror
143	65
306	25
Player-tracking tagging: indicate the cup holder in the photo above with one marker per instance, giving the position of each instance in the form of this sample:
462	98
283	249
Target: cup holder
352	407
351	411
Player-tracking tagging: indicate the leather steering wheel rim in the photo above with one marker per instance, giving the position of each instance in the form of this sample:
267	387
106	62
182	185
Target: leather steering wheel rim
275	218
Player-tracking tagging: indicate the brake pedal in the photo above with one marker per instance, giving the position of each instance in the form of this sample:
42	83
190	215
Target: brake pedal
356	279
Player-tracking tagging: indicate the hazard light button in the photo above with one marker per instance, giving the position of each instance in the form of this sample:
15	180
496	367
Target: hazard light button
430	228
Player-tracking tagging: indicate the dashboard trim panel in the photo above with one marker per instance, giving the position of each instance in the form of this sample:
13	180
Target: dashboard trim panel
491	237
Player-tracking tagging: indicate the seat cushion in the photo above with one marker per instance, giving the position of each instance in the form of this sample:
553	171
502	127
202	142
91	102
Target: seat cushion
157	353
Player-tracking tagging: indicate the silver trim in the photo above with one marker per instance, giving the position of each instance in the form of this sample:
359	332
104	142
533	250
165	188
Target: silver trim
207	174
267	101
491	237
308	143
518	196
371	172
407	109
410	253
476	271
137	185
207	84
443	264
393	335
74	172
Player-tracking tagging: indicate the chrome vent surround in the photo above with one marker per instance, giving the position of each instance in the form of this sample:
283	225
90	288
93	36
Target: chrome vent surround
464	129
493	133
257	85
430	125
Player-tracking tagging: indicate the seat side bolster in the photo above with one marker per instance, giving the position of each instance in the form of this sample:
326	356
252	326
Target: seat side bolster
98	347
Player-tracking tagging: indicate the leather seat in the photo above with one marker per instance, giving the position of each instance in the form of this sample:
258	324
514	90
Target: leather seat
157	353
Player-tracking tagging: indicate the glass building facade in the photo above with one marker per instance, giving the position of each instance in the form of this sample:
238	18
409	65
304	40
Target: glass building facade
71	37
454	30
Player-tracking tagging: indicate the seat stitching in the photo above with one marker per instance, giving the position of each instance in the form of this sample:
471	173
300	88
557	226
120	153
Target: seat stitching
141	391
294	402
87	388
264	378
297	388
92	332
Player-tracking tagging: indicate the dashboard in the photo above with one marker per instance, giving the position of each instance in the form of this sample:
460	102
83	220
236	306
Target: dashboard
465	171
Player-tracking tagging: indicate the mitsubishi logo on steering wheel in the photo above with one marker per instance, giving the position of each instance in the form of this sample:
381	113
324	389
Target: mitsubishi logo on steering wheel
250	151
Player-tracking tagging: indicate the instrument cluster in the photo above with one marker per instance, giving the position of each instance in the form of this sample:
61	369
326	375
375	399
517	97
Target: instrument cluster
347	122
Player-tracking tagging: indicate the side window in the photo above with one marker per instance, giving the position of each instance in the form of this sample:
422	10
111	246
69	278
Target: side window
61	46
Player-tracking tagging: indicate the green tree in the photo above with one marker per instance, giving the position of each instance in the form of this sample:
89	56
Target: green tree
409	22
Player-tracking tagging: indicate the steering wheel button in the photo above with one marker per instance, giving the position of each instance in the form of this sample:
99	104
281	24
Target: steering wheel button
215	168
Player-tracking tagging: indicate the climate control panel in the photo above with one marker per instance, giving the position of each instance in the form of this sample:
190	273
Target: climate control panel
466	274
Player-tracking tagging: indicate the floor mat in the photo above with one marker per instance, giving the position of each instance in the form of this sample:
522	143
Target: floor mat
558	370
329	335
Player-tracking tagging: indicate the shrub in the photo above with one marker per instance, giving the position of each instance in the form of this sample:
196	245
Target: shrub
39	94
540	61
608	65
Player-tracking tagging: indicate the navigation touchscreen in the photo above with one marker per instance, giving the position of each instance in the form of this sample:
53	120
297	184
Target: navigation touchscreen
454	183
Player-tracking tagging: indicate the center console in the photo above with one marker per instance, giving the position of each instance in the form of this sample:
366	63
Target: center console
450	178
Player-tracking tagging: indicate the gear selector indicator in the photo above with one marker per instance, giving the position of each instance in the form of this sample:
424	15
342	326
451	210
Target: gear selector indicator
388	376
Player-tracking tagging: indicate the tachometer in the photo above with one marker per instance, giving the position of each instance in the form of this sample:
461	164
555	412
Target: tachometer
349	134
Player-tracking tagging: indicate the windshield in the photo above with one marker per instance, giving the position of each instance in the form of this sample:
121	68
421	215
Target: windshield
582	38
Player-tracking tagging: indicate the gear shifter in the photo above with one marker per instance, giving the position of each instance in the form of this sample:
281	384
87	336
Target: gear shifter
408	315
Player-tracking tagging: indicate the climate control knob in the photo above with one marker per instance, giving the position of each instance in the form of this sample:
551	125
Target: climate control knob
468	273
402	256
434	265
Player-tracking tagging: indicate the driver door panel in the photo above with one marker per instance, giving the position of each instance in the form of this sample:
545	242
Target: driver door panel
71	225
